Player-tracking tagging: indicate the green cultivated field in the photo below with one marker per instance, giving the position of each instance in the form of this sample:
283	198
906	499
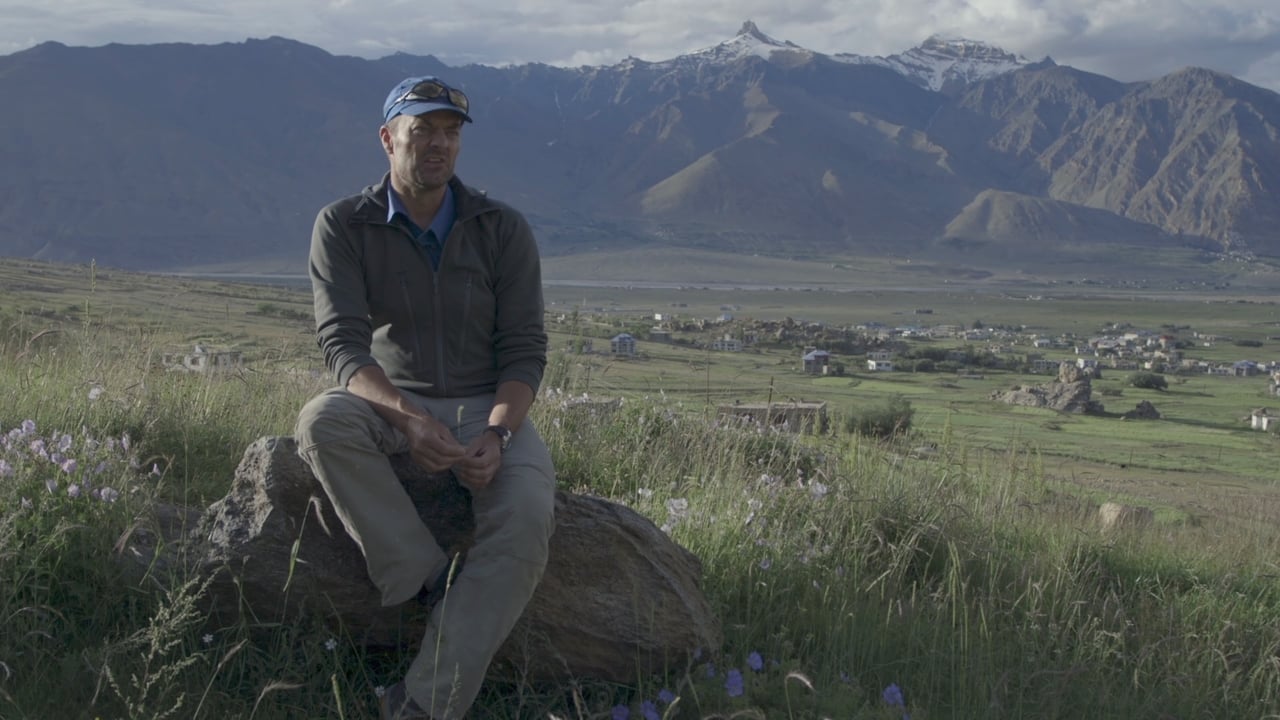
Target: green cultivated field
961	562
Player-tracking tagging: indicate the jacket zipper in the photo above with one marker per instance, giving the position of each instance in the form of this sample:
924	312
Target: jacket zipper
466	304
408	303
439	330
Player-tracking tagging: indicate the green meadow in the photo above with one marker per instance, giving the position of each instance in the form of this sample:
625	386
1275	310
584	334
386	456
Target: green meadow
955	570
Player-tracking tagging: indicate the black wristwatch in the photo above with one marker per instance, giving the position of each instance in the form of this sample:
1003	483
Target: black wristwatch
503	433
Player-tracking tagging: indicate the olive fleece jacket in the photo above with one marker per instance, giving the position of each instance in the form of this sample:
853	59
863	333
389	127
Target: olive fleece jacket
458	331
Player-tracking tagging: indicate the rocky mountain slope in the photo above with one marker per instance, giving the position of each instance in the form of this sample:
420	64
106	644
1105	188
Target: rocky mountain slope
173	155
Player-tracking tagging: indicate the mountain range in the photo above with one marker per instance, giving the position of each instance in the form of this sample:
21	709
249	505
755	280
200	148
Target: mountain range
175	155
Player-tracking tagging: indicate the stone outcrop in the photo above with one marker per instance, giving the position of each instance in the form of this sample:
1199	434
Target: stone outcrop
1144	411
1072	392
618	597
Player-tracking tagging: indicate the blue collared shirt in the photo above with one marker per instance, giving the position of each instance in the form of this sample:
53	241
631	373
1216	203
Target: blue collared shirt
432	239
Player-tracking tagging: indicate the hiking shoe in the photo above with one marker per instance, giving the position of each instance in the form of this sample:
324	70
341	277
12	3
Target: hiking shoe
397	704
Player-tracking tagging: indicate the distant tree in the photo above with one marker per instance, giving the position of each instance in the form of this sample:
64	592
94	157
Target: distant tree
936	354
1148	381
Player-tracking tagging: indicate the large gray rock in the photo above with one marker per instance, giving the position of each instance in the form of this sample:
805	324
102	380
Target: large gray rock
1071	393
1144	411
618	596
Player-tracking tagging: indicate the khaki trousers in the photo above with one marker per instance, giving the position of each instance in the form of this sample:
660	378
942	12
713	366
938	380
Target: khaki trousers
347	445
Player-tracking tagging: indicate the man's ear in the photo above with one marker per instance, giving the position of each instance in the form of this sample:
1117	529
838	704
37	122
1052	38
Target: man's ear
384	134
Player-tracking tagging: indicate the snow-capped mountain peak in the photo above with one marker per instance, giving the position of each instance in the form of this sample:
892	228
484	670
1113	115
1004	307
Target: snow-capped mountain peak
940	63
749	41
749	30
944	61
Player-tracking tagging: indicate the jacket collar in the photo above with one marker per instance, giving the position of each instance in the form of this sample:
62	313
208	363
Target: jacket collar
372	207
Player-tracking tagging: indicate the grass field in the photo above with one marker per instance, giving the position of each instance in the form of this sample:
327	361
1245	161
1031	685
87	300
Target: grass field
960	565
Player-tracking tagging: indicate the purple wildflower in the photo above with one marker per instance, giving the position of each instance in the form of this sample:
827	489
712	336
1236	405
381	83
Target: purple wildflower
37	449
733	683
73	490
51	485
711	670
109	495
69	465
893	698
666	697
845	677
766	563
621	712
6	470
755	662
649	711
28	427
64	443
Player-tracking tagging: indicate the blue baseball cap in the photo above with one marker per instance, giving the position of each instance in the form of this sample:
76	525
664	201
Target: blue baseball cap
420	95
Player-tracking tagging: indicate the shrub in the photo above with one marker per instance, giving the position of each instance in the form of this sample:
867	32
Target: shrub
1148	381
885	421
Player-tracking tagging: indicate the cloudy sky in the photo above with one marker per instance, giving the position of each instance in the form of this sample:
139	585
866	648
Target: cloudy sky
1125	39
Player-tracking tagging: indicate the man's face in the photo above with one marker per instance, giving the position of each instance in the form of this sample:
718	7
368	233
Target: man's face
422	149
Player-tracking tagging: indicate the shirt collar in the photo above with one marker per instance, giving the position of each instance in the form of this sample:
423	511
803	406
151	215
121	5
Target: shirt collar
440	224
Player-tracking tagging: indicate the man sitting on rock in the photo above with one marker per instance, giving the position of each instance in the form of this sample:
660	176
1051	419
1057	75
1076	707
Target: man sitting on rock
428	305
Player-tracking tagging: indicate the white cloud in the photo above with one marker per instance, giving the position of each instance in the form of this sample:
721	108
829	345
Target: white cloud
1125	39
1265	72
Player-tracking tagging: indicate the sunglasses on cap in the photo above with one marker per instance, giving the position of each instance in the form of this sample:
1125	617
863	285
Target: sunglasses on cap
434	91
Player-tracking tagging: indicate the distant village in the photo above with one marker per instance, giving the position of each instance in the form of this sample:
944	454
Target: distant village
996	347
825	350
822	349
